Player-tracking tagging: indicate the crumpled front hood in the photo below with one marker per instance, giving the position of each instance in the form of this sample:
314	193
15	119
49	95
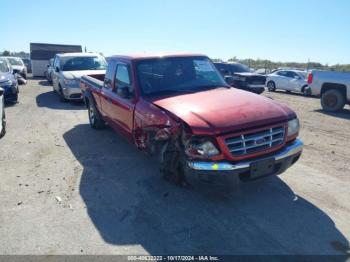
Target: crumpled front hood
78	74
224	110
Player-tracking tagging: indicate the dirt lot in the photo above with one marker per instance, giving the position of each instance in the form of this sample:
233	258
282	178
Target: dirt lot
68	189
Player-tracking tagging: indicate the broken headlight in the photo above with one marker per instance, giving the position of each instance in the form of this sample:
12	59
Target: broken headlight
201	148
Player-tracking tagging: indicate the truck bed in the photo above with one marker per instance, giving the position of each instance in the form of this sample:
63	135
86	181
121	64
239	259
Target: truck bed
92	80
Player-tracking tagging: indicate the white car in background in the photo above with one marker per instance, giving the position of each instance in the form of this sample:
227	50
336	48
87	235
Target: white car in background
2	114
18	65
288	80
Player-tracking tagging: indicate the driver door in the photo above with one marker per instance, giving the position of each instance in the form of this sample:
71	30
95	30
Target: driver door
120	108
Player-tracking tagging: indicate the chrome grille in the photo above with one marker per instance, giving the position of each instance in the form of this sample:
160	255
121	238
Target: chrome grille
255	142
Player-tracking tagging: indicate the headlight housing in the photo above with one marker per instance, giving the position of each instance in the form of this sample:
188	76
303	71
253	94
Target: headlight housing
293	127
201	148
70	82
7	83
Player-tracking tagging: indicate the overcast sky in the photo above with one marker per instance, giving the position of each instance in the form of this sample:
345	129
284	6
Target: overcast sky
289	30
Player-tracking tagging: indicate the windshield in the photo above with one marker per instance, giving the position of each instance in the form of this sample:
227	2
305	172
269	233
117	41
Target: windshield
78	63
238	68
15	61
178	74
4	68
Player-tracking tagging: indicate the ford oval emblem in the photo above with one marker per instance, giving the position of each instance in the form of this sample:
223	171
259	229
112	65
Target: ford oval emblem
259	141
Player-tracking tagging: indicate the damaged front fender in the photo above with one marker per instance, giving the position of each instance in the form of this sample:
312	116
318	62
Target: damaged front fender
154	127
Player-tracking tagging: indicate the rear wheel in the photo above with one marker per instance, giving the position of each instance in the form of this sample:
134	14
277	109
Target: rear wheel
332	100
306	91
271	86
95	118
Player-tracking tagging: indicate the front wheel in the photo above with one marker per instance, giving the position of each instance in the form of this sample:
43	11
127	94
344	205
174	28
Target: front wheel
271	86
332	100
61	95
3	120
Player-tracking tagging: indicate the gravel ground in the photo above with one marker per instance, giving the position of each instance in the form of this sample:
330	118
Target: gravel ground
68	189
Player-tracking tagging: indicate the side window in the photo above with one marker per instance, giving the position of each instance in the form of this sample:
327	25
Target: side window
291	74
122	77
223	69
281	73
109	75
56	63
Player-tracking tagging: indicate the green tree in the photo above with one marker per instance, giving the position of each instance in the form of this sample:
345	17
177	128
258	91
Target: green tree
6	53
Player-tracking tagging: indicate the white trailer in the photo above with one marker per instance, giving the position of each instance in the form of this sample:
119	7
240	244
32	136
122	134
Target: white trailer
41	53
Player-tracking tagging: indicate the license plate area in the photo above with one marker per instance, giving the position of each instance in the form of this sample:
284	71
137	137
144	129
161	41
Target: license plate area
262	167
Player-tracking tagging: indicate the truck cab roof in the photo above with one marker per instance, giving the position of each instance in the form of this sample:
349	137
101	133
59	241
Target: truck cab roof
139	56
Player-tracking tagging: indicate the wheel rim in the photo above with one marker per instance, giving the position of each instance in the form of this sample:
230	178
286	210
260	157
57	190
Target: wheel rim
91	115
331	100
271	86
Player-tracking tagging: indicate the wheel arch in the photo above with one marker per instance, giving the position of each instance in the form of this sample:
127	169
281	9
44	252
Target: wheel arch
328	86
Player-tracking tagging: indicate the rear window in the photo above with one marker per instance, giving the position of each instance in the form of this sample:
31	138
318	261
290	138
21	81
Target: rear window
4	68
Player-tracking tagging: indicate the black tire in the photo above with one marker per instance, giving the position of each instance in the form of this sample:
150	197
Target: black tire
16	98
61	95
306	91
173	166
95	118
3	119
332	100
271	86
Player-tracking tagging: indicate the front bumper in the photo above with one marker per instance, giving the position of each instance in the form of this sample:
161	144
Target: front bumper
256	88
282	160
72	93
10	93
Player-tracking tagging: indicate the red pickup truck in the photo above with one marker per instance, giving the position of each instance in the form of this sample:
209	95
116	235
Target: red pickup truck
179	108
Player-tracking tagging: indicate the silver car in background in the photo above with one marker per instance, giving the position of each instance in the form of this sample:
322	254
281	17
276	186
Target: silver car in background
288	80
17	64
49	71
70	67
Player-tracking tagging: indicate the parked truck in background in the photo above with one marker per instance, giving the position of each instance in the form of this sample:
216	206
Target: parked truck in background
332	87
179	108
240	76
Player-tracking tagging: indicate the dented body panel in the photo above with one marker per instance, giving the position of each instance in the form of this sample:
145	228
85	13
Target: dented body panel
176	122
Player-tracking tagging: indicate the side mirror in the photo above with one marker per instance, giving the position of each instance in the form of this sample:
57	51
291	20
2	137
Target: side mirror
1	91
57	69
123	91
